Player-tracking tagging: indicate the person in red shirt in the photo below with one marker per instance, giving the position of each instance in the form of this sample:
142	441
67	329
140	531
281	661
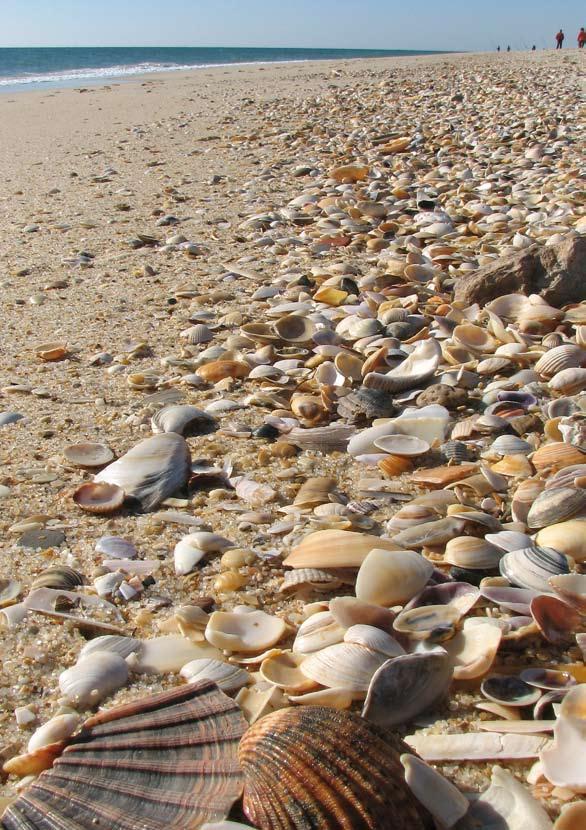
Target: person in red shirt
581	38
559	39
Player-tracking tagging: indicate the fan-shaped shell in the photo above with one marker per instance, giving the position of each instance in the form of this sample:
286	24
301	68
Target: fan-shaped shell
164	761
316	768
59	576
559	358
556	456
199	333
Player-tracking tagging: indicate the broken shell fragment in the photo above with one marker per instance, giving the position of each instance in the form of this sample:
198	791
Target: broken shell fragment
283	670
444	801
557	621
473	650
507	803
53	731
9	592
247	631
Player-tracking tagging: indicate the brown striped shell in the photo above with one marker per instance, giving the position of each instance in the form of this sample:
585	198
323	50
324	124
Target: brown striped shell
166	761
316	768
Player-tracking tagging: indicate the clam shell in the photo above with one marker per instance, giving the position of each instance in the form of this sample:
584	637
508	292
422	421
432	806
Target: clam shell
88	455
343	665
318	632
557	621
162	655
391	577
461	595
413	371
473	650
218	370
55	730
509	690
406	686
555	506
313	767
571	588
183	419
93	678
99	497
568	381
349	611
429	533
402	445
335	549
151	471
124	646
116	547
472	553
163	761
315	491
566	537
374	639
572	817
332	438
427	622
533	566
549	679
563	761
59	576
227	677
253	631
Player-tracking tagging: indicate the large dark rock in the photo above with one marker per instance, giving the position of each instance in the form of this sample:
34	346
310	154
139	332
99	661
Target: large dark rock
557	273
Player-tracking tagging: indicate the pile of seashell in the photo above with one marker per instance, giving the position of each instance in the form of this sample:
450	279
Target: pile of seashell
411	474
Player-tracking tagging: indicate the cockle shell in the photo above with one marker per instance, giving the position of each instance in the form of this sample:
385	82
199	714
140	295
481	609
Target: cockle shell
315	768
405	686
559	358
391	577
343	665
227	677
93	678
99	497
59	576
182	419
556	455
335	549
568	381
151	471
164	761
247	631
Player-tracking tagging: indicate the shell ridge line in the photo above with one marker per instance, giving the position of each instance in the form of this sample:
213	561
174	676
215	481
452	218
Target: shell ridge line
148	742
34	810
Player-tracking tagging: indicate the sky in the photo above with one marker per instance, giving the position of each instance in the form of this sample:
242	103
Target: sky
351	24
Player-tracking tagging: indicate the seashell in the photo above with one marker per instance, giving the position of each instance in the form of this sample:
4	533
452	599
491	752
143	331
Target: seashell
93	678
318	632
513	599
562	357
394	465
557	455
507	803
364	405
88	455
315	491
308	409
9	591
82	610
182	420
197	334
162	655
572	816
509	690
509	445
12	615
557	621
196	726
391	577
294	761
334	698
442	476
406	686
123	646
335	549
283	670
151	471
523	498
435	622
429	533
532	567
508	540
472	650
548	679
294	329
342	665
410	516
308	578
56	730
571	588
217	370
99	497
455	451
446	803
459	594
227	677
555	506
563	760
402	445
349	611
52	352
332	438
374	639
566	537
568	381
413	371
116	547
474	338
474	554
59	576
476	746
250	631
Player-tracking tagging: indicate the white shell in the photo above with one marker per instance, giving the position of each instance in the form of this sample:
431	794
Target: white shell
444	801
317	632
392	577
249	632
344	665
374	639
507	803
93	678
227	677
57	729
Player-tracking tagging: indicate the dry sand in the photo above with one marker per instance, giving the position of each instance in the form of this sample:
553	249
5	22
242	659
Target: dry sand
158	142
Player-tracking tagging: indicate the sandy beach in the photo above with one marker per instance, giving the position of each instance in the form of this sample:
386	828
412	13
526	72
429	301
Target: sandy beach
96	184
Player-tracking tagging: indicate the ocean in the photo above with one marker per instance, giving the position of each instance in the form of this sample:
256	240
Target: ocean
43	68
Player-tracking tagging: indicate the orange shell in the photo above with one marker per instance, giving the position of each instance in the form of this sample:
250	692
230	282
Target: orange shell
219	369
99	497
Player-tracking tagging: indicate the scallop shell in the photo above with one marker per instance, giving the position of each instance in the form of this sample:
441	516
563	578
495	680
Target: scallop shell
247	631
413	371
59	576
151	471
532	567
406	686
88	455
99	497
391	577
93	678
197	334
227	677
164	761
315	768
335	549
183	419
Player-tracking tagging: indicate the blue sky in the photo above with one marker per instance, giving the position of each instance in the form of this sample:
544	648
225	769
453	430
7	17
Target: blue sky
359	24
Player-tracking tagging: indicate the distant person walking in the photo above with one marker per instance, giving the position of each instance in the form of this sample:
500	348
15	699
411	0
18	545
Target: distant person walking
581	38
560	39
